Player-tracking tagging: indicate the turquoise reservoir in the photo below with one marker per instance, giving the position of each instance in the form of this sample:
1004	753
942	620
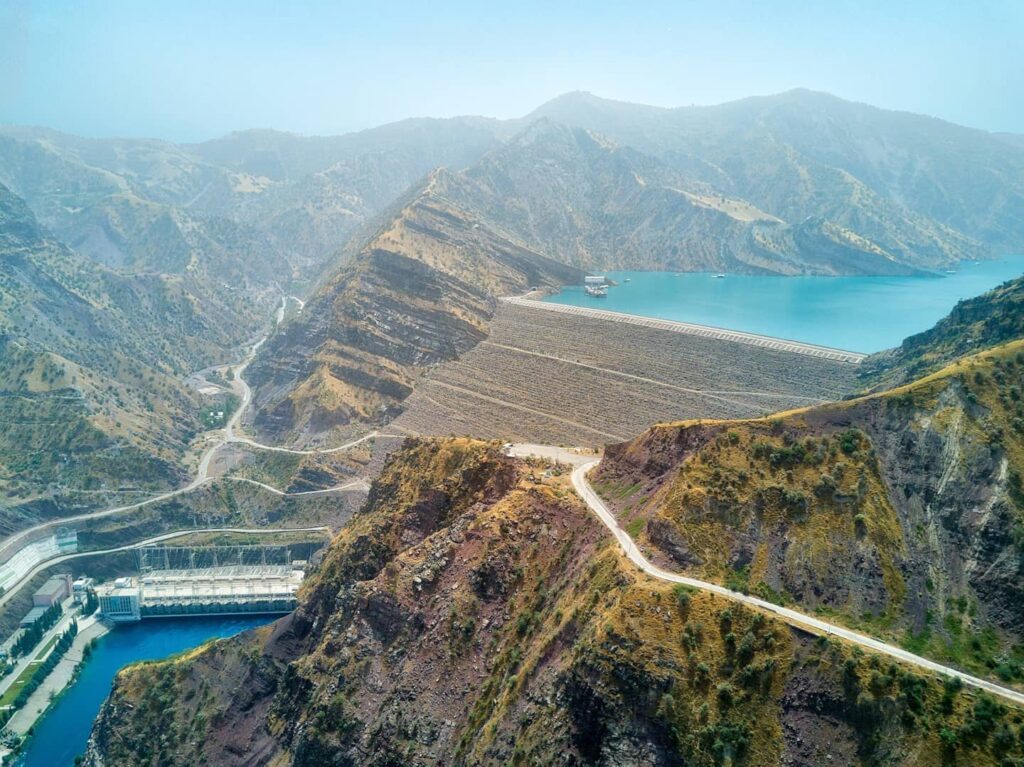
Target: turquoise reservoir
63	733
863	314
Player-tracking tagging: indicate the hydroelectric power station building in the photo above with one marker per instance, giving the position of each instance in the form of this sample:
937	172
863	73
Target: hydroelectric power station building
230	590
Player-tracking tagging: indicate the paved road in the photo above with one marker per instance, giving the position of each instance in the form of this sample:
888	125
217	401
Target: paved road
792	617
60	677
705	331
360	483
7	596
234	438
17	540
28	659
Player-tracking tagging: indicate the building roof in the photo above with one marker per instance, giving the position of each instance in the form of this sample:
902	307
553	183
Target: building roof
54	586
128	587
33	615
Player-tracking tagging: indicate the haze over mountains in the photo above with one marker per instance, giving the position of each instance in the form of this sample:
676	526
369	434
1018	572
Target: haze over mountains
474	610
796	183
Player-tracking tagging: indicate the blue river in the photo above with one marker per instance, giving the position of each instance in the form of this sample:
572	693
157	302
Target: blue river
863	314
62	734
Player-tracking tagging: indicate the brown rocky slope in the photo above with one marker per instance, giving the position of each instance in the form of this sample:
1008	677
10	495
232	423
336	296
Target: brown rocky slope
475	613
900	513
419	292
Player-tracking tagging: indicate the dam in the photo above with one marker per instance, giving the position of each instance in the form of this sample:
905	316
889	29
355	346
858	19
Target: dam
703	331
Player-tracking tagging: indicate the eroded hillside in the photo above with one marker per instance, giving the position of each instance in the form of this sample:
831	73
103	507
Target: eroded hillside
928	191
574	194
899	513
476	613
91	366
420	291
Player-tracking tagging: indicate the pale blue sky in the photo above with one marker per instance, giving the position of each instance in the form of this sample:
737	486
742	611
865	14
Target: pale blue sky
190	70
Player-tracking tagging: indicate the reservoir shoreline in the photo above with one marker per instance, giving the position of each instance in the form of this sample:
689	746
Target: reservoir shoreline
860	314
61	732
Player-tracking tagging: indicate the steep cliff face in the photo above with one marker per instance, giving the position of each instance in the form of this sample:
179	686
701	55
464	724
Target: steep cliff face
900	512
420	292
475	613
975	324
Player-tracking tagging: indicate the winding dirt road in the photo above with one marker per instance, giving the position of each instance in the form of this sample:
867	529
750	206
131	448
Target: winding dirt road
585	463
792	617
13	543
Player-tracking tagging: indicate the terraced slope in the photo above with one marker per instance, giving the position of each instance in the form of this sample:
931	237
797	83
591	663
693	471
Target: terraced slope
562	379
901	513
474	614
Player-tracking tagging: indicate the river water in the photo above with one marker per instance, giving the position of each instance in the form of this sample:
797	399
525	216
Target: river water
863	314
63	733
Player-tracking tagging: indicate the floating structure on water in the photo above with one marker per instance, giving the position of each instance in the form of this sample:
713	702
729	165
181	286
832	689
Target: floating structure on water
595	285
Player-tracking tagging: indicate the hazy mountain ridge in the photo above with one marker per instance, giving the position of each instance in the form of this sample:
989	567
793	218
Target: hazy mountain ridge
793	183
576	195
857	189
941	191
186	259
277	197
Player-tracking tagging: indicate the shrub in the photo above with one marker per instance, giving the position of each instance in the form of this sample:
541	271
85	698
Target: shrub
683	594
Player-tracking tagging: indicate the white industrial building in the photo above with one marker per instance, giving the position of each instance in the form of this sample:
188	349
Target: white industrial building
227	590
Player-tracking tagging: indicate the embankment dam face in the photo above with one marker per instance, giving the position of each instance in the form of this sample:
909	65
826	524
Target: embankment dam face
557	374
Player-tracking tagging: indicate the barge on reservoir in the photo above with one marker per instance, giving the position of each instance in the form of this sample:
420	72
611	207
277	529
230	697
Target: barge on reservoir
595	285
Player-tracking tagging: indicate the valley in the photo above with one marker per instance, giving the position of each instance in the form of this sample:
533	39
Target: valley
429	601
559	534
534	319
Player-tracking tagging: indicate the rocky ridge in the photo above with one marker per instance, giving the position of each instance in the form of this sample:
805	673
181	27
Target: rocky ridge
474	613
899	513
419	292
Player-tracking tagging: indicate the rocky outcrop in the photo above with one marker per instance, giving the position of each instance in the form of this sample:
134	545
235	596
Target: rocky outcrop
420	292
900	511
473	615
975	324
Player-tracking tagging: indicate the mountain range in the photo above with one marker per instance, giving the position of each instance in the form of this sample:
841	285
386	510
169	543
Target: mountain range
475	208
475	611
